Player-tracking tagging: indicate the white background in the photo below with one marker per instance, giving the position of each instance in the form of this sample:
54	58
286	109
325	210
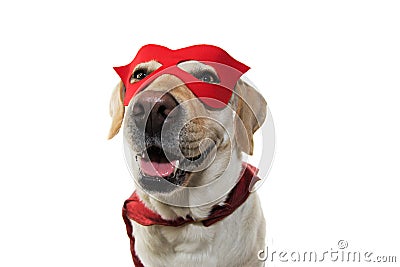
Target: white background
328	69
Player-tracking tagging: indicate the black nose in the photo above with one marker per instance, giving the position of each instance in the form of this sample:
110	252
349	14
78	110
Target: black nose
151	109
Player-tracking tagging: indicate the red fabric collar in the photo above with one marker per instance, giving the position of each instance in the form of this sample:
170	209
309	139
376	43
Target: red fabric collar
135	209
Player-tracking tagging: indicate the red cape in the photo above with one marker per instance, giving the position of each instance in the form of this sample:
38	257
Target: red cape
134	209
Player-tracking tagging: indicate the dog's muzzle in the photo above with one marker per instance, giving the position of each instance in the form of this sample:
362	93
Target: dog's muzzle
163	167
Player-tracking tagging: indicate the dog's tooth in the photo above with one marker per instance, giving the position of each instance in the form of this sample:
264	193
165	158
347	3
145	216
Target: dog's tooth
176	167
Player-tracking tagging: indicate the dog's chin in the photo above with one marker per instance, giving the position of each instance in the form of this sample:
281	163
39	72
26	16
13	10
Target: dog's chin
154	184
166	174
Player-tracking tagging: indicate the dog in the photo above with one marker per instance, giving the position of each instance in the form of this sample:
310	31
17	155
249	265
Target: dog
185	154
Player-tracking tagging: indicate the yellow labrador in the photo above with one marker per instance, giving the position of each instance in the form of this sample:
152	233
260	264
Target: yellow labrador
167	118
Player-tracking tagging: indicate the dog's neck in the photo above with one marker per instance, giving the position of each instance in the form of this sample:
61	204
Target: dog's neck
226	179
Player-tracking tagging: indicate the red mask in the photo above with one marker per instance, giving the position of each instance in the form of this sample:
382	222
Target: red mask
213	95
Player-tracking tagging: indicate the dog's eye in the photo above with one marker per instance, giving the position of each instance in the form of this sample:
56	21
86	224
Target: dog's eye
206	76
139	74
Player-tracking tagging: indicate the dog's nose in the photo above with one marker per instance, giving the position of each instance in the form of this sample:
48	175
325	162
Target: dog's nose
151	109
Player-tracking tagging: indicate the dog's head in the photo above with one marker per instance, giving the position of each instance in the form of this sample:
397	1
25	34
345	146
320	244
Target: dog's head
176	136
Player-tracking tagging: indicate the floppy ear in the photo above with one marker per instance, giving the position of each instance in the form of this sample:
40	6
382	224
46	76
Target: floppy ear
250	115
117	109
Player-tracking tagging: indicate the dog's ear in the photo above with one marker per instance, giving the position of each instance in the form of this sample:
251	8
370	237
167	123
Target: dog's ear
117	109
250	115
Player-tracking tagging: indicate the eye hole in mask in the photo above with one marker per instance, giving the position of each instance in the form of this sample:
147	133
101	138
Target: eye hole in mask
143	70
200	71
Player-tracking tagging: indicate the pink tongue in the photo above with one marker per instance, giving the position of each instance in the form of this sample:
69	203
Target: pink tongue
159	169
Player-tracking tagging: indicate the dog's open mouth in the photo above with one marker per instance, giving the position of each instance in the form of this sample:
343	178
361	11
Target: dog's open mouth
164	172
